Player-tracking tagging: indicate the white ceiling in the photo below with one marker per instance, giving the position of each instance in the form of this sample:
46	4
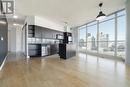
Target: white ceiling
75	12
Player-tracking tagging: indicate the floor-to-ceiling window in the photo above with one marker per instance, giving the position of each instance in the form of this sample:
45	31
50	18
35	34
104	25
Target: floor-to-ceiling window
121	33
82	39
106	37
92	37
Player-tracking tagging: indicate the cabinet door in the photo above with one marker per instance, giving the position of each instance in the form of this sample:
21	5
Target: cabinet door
54	49
38	32
54	34
48	34
43	33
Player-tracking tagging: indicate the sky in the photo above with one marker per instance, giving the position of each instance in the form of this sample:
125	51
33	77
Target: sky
107	27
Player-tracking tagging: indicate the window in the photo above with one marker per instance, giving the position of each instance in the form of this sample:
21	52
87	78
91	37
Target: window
105	37
108	18
92	23
92	38
121	13
82	33
82	39
121	33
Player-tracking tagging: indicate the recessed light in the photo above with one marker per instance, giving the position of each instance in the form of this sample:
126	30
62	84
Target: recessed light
15	16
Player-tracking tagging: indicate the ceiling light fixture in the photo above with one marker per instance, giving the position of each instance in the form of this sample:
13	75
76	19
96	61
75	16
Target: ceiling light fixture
101	15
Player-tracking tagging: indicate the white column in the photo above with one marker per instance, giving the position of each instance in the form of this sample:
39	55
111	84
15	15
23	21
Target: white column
75	37
128	32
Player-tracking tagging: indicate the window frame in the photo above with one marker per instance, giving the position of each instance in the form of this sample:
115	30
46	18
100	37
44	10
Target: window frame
97	29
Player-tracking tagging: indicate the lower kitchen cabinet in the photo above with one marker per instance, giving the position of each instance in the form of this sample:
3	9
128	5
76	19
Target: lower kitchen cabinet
42	49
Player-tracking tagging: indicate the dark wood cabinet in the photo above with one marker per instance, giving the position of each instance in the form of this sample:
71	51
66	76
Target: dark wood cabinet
55	33
67	38
50	40
54	48
34	50
48	34
41	32
67	50
38	32
31	30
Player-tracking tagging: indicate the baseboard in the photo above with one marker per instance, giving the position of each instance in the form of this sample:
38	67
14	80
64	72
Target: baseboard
3	63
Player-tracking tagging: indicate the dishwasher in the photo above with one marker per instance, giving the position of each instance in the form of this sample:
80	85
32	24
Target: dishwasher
45	50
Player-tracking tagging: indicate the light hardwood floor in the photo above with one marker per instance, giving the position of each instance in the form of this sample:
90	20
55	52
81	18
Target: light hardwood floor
80	71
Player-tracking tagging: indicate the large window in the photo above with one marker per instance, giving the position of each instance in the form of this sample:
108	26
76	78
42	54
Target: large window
82	38
121	27
106	36
92	38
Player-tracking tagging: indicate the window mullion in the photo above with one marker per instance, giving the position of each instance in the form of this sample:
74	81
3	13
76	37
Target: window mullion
98	37
86	38
116	33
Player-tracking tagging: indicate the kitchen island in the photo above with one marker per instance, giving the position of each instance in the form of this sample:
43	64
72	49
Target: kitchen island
67	51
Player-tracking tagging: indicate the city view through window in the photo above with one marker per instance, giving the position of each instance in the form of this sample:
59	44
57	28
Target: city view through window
104	37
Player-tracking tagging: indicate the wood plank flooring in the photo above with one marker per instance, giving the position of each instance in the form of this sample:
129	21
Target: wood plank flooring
81	71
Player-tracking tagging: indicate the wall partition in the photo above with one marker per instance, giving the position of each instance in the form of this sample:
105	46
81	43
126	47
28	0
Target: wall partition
105	37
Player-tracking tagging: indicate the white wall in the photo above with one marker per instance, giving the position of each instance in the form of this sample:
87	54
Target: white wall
12	40
44	22
67	28
75	36
30	20
18	39
128	33
15	39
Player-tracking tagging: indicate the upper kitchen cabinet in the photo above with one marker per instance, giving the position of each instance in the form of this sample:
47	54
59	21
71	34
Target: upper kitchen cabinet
38	32
48	33
42	32
31	30
34	31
